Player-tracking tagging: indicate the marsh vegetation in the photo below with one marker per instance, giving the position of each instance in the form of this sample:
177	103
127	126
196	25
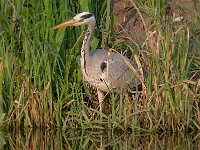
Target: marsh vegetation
41	82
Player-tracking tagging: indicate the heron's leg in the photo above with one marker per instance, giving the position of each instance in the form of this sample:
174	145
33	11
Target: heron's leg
100	98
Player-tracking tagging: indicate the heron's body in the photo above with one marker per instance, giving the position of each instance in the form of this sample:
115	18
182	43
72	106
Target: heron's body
106	71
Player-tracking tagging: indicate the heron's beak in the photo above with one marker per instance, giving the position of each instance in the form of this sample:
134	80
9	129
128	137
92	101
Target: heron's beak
67	24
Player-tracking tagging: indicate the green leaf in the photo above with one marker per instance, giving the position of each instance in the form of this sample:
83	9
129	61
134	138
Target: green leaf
94	43
2	117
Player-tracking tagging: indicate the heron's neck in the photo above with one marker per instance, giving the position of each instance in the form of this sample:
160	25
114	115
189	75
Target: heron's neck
85	50
86	42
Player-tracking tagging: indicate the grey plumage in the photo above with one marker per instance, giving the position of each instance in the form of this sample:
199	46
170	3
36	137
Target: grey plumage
109	72
104	70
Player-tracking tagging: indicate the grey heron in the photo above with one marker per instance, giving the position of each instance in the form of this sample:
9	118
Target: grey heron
104	70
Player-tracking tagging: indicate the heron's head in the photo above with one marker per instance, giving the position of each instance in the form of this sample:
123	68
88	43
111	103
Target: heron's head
79	19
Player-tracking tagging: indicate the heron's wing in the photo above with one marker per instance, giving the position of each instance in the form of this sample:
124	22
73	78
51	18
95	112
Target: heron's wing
120	73
111	68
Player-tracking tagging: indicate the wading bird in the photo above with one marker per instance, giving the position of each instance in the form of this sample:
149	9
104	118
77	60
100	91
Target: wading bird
104	70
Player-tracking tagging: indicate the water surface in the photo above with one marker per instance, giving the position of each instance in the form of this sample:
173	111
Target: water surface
82	139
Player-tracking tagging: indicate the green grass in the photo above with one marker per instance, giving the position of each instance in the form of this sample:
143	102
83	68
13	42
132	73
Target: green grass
41	82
